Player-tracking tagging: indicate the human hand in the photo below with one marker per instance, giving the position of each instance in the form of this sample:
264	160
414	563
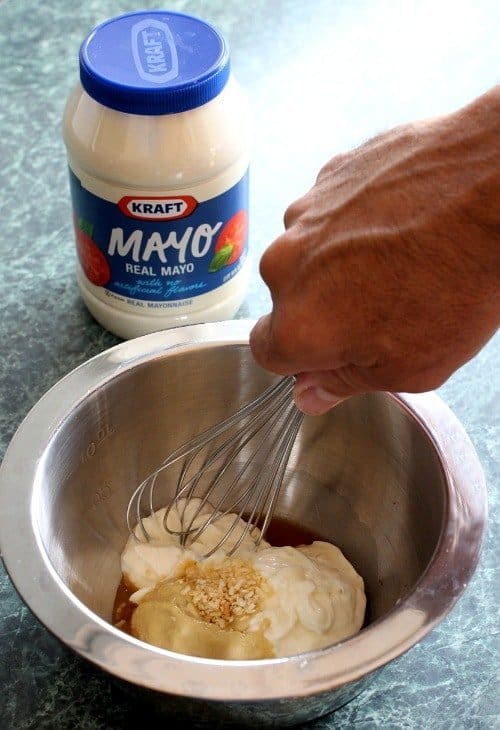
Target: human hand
388	274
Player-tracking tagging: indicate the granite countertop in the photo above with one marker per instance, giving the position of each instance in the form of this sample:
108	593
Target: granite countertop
321	77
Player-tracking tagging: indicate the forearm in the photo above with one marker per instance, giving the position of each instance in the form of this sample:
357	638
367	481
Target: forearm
468	141
471	138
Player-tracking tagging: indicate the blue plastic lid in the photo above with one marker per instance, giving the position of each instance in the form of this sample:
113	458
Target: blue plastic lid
154	62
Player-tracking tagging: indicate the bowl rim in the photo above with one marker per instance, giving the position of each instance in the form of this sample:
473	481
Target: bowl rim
64	615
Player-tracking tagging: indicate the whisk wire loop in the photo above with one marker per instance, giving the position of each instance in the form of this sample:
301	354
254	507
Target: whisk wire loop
241	439
250	449
260	488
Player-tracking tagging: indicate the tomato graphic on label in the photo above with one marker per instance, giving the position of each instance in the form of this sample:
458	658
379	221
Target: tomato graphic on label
92	259
230	242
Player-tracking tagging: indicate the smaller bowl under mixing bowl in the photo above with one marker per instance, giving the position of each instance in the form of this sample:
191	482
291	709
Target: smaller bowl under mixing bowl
392	480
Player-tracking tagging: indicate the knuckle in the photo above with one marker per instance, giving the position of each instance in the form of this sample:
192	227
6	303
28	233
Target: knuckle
294	211
259	348
267	266
274	263
332	165
270	344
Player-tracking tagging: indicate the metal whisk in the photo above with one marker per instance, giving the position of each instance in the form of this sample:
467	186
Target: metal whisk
244	457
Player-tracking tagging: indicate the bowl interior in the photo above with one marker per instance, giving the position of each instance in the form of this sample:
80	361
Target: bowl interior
365	476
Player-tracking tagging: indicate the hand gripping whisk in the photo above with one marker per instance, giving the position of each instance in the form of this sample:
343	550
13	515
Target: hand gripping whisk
237	466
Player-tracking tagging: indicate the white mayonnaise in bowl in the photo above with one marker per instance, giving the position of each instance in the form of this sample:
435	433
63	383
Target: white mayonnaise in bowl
156	133
392	480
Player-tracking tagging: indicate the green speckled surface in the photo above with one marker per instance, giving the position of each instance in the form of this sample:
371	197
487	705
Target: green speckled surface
321	77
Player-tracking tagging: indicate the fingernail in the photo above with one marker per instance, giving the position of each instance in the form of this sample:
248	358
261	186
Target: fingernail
314	400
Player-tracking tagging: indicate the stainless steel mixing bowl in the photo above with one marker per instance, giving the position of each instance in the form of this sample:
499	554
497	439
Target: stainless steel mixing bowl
392	480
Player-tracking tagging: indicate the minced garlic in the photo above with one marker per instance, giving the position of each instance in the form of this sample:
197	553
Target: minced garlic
222	593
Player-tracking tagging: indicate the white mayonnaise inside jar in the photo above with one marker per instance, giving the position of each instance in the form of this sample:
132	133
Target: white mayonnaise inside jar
158	151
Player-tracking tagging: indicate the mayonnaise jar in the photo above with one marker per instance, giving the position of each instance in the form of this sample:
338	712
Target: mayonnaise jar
156	134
